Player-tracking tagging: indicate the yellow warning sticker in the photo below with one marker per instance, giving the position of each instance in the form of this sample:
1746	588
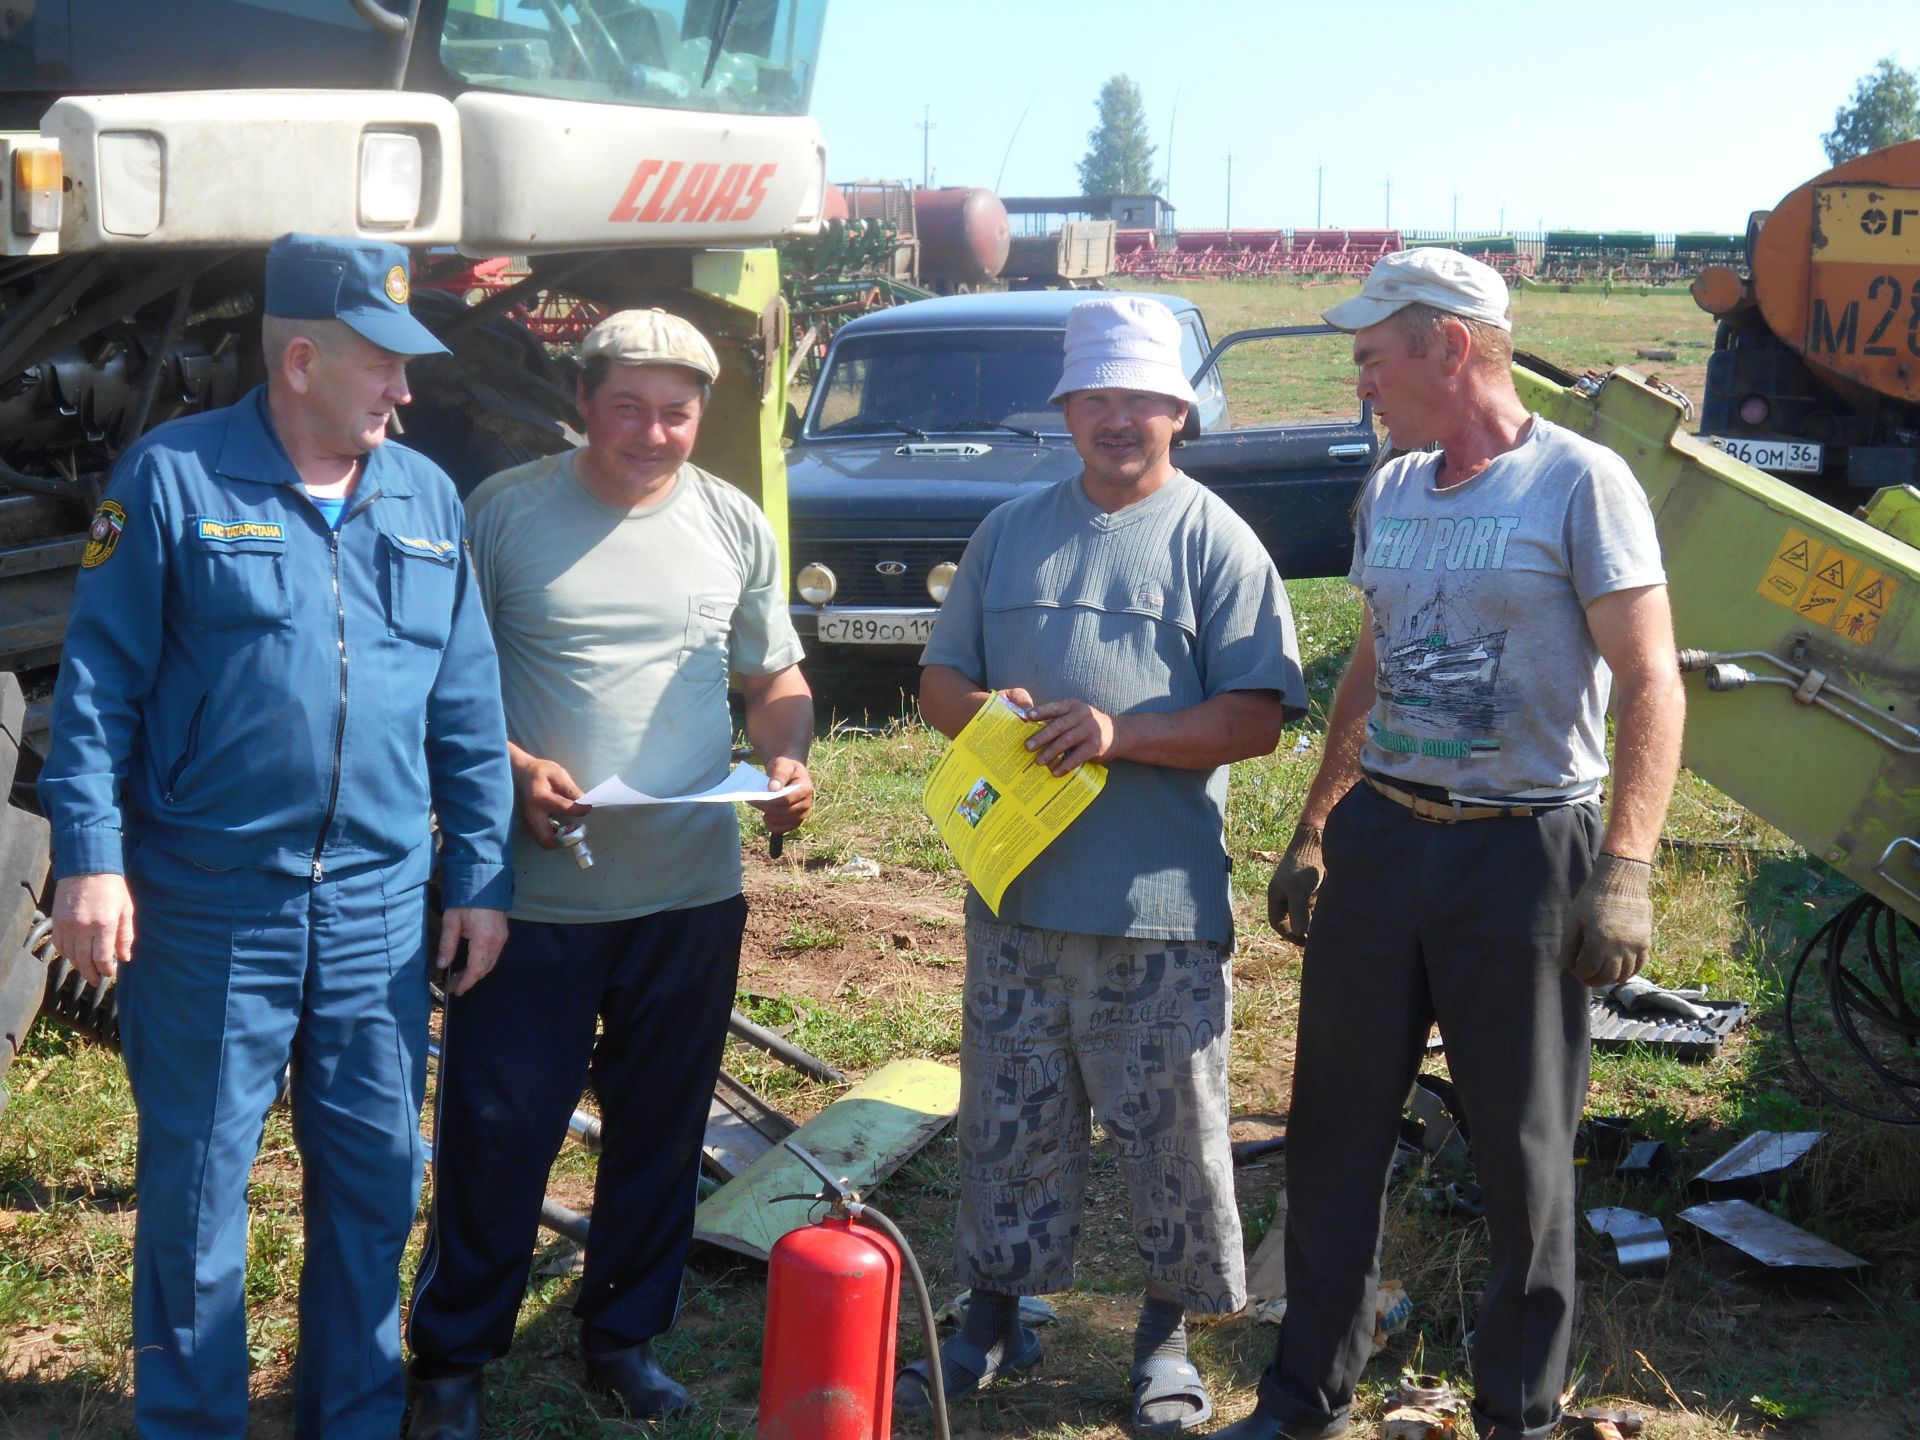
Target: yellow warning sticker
1860	616
1787	574
1833	576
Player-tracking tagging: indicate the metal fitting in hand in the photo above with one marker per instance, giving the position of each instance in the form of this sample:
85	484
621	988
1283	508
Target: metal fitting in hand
574	838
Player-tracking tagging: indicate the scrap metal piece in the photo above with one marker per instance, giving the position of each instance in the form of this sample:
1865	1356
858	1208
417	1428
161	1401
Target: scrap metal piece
1640	1244
1442	1134
1410	1422
1762	1153
1767	1238
741	1127
1033	1310
862	1137
1639	995
1645	1160
1614	1026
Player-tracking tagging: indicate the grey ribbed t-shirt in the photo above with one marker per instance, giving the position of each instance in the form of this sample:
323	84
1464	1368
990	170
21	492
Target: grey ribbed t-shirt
1149	610
1487	679
616	629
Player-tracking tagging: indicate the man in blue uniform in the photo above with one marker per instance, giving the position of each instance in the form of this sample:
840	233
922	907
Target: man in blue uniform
276	671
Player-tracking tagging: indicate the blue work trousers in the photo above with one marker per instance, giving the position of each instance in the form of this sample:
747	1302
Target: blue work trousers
516	1052
235	974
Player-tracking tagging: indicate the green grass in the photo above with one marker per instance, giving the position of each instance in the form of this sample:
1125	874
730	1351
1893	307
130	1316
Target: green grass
1705	1348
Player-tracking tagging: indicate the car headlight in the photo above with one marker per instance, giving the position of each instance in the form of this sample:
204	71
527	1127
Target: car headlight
940	580
816	584
391	172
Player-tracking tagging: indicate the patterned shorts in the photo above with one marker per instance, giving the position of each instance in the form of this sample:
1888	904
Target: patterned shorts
1060	1028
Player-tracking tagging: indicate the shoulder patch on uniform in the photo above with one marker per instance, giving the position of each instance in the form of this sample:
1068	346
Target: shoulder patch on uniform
104	534
397	284
241	530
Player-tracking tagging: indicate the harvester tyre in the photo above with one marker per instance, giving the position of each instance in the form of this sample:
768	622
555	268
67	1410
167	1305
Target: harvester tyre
497	401
25	856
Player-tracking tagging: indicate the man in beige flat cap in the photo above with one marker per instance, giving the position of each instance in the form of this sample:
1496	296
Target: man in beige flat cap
623	585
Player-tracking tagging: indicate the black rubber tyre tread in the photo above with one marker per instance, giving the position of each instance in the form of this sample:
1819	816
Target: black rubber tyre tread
497	401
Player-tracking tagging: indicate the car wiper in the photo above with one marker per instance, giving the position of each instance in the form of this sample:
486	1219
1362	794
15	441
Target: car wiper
717	38
898	426
994	425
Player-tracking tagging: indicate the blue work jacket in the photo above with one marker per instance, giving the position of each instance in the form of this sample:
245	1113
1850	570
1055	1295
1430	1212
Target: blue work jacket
244	687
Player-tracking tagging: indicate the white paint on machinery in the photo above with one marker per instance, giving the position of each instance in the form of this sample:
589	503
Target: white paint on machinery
230	168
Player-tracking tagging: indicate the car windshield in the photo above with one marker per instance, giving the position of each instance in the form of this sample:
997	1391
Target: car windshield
753	57
971	381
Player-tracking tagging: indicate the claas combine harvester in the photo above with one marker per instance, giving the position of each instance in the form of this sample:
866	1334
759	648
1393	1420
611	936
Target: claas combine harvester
593	154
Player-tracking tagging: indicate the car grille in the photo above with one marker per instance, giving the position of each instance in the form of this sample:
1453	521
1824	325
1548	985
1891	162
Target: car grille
860	583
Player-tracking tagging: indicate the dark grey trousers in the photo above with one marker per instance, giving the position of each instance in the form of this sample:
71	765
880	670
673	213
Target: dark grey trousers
1460	923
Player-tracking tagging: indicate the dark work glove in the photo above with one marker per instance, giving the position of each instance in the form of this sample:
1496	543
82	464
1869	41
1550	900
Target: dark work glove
1611	930
1296	880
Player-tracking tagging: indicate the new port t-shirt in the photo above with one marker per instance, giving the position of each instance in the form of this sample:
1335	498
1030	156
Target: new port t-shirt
1488	682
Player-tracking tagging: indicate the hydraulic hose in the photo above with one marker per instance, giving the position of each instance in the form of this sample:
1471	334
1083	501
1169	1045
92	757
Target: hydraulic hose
1877	993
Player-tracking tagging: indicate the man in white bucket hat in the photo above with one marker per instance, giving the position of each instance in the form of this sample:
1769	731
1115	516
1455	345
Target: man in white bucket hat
1451	862
1131	611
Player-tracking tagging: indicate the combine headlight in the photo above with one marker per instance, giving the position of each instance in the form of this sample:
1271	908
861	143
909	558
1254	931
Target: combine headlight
940	580
816	584
37	181
1754	410
391	170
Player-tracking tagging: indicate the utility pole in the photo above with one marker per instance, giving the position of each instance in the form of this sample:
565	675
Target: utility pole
1456	214
1229	190
1388	221
1319	184
926	128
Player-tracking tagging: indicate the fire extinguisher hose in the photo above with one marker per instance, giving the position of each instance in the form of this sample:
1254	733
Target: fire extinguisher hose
936	1382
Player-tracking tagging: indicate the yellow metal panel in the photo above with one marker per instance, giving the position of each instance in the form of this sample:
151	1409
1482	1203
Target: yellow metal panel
862	1137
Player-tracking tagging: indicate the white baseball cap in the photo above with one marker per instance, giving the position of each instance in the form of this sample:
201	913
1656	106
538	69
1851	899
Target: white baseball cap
1124	342
1444	279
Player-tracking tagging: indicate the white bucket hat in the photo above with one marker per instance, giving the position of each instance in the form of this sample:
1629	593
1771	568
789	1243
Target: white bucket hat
1124	342
1444	279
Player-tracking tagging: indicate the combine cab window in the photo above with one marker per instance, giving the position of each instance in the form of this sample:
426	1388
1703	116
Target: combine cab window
53	47
736	56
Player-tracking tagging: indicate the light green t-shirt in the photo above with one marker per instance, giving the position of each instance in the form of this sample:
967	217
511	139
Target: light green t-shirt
616	631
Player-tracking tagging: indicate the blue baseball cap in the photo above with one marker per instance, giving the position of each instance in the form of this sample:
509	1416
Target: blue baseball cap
362	283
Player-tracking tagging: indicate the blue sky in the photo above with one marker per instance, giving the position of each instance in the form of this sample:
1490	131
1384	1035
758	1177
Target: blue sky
1683	116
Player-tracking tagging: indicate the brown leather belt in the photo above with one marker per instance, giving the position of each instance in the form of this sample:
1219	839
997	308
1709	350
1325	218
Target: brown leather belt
1452	812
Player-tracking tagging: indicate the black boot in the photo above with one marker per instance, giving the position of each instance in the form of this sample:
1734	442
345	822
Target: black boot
446	1407
632	1376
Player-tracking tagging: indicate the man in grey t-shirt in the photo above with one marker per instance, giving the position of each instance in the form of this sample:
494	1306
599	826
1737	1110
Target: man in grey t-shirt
623	584
1136	616
1450	861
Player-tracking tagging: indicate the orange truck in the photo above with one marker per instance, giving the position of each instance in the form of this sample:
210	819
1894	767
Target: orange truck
1815	372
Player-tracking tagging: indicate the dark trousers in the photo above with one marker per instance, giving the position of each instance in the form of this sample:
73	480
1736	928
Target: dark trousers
516	1052
1460	923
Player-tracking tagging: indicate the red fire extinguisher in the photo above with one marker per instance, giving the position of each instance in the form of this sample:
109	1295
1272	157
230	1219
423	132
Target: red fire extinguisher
833	1301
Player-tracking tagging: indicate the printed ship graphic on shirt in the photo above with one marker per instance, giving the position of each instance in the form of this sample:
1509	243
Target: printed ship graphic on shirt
1453	683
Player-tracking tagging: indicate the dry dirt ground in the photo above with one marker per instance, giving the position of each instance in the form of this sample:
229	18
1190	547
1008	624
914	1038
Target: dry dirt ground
826	937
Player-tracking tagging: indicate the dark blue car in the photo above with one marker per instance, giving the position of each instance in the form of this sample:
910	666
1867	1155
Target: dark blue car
928	415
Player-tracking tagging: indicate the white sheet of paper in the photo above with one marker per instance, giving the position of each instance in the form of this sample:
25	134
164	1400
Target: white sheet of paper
743	782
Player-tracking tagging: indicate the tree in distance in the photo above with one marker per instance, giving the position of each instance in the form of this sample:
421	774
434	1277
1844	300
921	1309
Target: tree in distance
1119	161
1884	110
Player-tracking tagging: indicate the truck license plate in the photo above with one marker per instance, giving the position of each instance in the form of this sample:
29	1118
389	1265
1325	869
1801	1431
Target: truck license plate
1797	456
851	627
